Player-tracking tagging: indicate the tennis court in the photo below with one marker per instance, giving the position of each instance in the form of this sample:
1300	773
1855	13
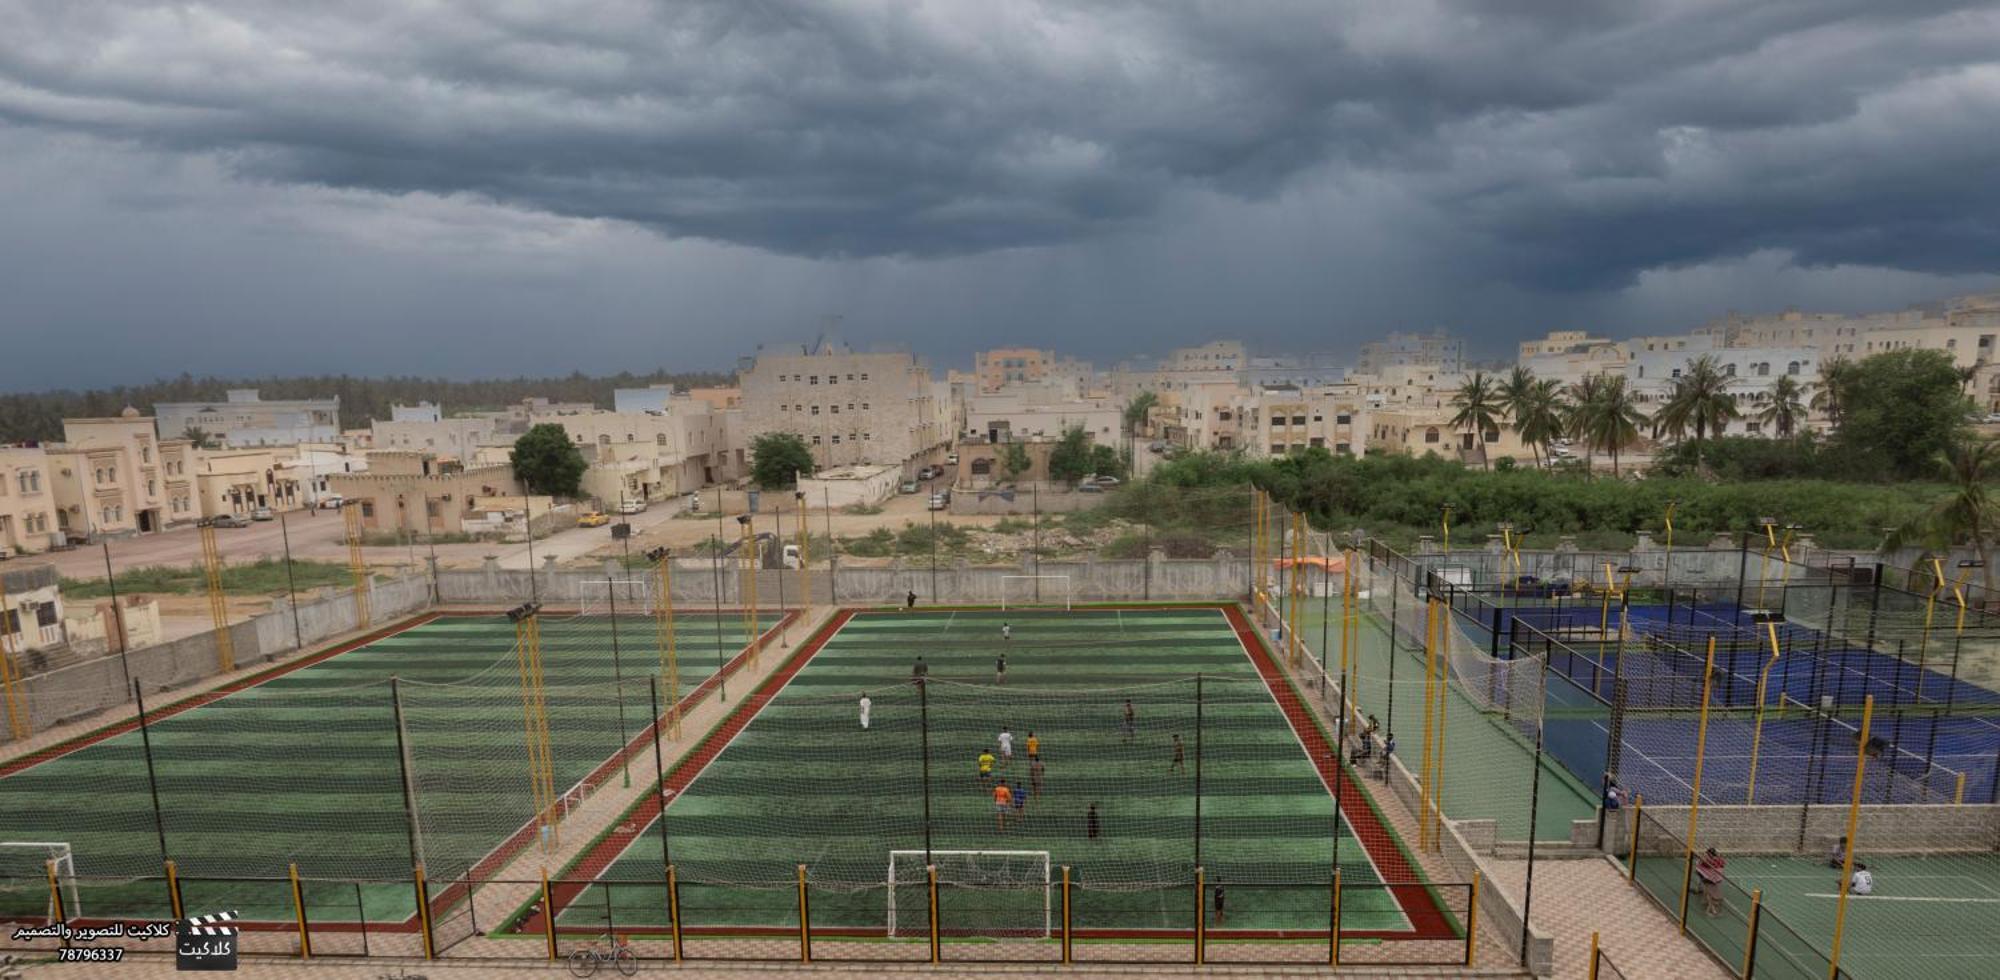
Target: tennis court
803	783
303	767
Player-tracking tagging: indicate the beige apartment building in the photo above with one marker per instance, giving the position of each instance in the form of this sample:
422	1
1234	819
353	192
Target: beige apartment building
454	438
238	481
651	455
1415	430
27	502
1011	365
110	477
421	493
849	407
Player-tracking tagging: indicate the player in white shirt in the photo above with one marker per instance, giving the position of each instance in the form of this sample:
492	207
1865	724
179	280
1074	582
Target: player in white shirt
1863	883
1006	746
865	705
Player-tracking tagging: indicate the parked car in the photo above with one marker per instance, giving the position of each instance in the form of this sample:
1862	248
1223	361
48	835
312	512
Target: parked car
331	501
792	556
1088	486
951	459
632	507
909	486
229	520
1107	481
938	501
1158	446
263	514
594	518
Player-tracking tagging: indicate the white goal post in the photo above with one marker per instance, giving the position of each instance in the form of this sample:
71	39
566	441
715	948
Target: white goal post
1025	873
634	596
24	868
1017	591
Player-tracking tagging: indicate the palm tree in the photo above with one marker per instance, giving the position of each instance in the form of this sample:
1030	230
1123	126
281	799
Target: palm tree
1784	409
1607	417
1968	513
1479	410
1701	402
1538	416
1830	395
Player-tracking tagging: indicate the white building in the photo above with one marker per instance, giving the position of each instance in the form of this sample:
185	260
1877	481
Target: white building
242	418
849	407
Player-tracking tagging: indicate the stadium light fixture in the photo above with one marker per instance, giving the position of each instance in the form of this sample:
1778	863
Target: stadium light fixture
658	555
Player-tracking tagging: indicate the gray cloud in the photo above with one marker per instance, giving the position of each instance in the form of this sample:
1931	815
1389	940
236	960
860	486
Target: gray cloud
1197	168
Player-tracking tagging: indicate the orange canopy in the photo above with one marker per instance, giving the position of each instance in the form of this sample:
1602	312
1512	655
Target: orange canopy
1331	565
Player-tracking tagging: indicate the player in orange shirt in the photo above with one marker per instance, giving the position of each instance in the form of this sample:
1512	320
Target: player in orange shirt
1003	803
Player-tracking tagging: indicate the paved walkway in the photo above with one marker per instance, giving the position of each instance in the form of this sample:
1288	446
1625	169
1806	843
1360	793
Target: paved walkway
1574	898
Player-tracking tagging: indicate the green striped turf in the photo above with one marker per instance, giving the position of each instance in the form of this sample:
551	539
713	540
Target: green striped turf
803	784
302	768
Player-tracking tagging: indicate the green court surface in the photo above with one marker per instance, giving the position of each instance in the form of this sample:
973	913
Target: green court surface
804	784
1488	762
303	768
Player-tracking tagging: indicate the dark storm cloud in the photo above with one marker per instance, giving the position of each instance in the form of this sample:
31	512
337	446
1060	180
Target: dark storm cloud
1568	144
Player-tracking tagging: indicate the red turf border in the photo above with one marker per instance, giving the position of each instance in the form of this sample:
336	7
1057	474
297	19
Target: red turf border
1427	919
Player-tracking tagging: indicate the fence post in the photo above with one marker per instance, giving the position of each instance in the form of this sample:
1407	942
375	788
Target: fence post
930	877
1065	916
1333	931
1853	826
424	912
55	895
1632	861
299	906
549	917
152	779
1472	919
805	920
674	909
1593	956
1750	933
1687	886
173	889
1200	916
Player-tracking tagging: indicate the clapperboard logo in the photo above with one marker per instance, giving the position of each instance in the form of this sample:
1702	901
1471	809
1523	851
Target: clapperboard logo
205	942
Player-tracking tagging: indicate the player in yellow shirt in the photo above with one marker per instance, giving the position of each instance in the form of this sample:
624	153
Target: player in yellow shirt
985	766
1003	803
1034	746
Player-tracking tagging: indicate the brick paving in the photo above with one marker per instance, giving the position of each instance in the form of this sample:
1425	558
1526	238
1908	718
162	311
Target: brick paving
1573	898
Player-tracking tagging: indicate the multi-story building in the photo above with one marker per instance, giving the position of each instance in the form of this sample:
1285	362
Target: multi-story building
849	407
1436	349
1027	412
108	478
27	502
652	454
1569	356
454	438
32	617
238	481
1011	365
242	418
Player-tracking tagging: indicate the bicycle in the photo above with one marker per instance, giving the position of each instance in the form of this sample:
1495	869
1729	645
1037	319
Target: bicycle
610	948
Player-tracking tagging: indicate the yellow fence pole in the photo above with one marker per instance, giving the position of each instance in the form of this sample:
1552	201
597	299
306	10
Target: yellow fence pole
1443	687
1333	928
1853	825
670	664
930	873
805	553
357	567
1424	760
1200	917
1066	958
1757	733
424	913
1700	754
1751	924
805	920
11	676
218	606
1687	888
549	915
174	889
299	909
674	908
58	913
1593	956
1632	861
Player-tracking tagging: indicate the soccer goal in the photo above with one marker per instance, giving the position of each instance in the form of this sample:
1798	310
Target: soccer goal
1035	591
632	596
980	893
24	880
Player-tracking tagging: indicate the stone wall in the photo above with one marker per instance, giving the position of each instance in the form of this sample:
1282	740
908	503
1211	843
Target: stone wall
1882	829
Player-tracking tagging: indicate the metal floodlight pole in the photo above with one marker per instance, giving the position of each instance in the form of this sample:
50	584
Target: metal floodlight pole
934	585
118	617
721	676
528	521
291	586
660	772
409	786
618	681
1035	494
1197	767
430	543
152	779
832	548
924	735
1534	811
778	538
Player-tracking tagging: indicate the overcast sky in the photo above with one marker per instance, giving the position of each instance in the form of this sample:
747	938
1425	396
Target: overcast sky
503	186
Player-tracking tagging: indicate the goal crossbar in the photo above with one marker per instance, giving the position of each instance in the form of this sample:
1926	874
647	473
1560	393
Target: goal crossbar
1045	589
44	853
1033	865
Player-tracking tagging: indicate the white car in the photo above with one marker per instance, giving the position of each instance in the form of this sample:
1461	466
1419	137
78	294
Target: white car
632	507
331	501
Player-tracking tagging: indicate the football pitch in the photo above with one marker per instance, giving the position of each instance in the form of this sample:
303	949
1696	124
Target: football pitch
303	767
794	779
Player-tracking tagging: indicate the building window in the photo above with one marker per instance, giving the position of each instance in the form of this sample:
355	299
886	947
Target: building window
368	508
814	379
836	438
815	440
1792	368
1298	420
1277	420
815	410
1341	447
864	375
833	409
1431	434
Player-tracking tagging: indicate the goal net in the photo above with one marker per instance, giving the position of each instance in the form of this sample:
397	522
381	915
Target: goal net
1035	591
980	893
24	881
631	596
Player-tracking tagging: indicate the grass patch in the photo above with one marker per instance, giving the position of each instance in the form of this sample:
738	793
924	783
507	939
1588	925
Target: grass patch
266	576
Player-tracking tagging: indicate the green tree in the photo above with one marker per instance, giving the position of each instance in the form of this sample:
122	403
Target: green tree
1106	461
1968	512
1609	418
1784	408
1901	411
547	462
1014	460
1829	395
1700	403
200	437
1479	410
1070	460
1137	411
1538	417
778	459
